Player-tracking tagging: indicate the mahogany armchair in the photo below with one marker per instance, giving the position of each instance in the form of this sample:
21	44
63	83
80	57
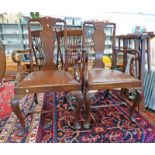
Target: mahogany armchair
2	61
100	78
48	78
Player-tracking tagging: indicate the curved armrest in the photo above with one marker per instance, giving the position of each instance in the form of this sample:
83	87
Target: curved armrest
17	59
15	52
82	76
136	57
79	64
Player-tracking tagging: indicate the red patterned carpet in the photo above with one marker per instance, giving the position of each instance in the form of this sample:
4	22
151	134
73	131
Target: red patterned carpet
108	125
6	93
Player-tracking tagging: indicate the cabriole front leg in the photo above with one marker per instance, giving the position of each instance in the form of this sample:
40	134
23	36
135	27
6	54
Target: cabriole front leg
16	109
137	103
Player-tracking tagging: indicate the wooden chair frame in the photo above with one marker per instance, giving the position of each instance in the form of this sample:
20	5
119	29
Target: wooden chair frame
102	79
48	78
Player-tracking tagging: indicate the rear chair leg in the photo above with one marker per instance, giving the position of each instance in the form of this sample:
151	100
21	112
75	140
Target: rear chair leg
78	108
107	92
35	98
138	101
18	113
87	101
124	92
77	113
65	97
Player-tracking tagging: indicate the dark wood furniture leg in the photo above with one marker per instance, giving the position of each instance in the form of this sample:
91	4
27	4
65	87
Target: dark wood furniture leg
35	98
78	108
77	113
16	109
107	92
139	100
87	102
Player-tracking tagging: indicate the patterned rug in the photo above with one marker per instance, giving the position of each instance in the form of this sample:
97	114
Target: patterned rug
9	133
108	125
6	93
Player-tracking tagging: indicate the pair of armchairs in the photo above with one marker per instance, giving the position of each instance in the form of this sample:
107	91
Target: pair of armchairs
50	78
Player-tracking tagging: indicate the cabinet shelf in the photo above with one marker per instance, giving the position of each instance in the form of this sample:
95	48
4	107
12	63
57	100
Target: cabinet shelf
12	43
11	33
10	23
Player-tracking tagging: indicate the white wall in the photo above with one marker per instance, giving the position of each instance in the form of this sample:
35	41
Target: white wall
126	21
85	8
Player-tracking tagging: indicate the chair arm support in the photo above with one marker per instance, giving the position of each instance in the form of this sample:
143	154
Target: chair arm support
73	54
84	72
82	75
130	51
76	72
77	68
17	60
136	57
